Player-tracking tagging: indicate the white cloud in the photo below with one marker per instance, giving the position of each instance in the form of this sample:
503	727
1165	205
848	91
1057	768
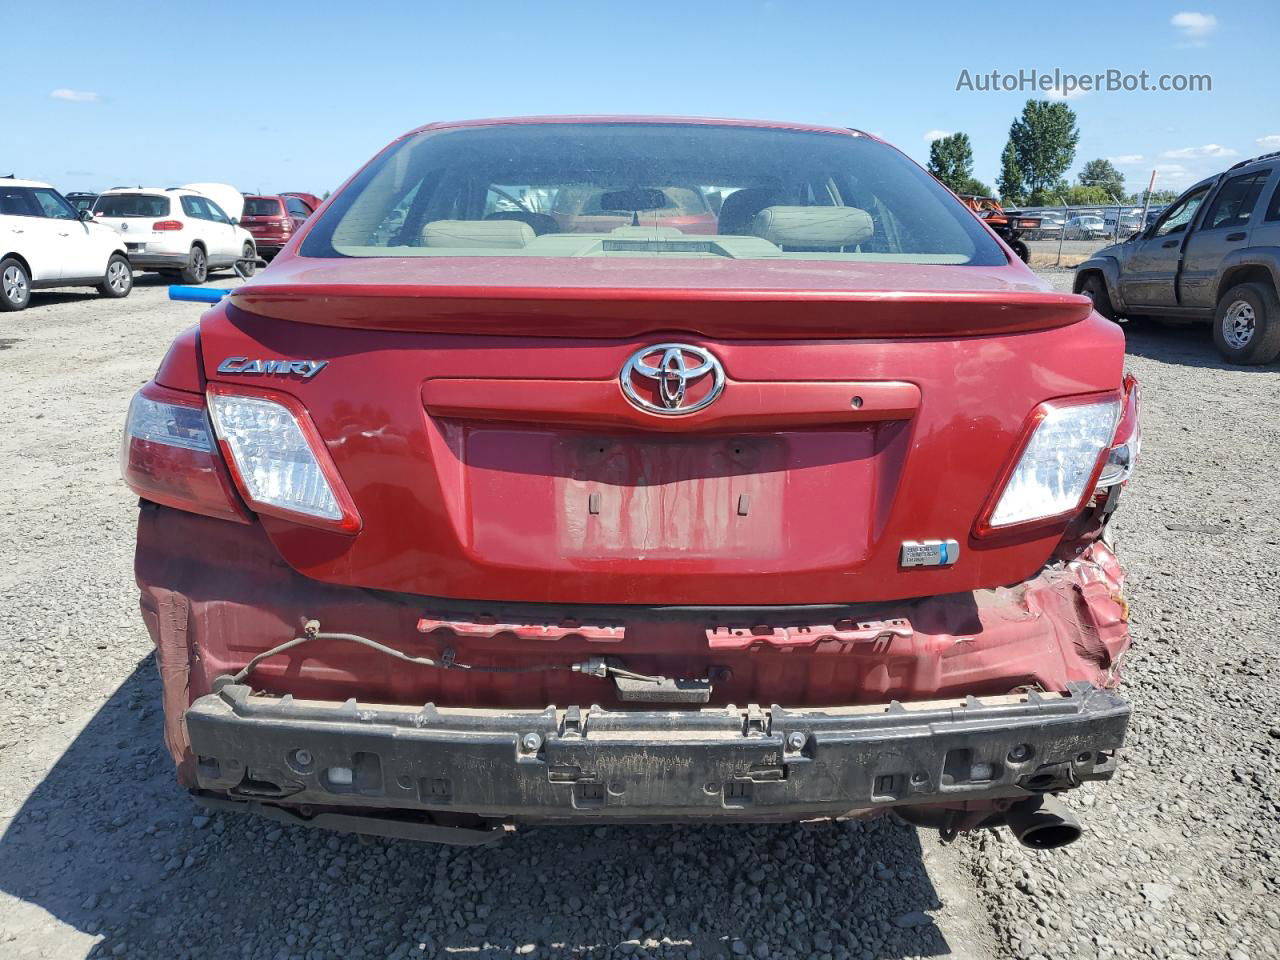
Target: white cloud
75	96
1174	176
1054	93
1194	26
933	135
1271	140
1126	159
1183	166
1209	150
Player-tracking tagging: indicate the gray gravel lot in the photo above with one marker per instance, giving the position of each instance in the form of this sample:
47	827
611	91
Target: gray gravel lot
1045	253
102	855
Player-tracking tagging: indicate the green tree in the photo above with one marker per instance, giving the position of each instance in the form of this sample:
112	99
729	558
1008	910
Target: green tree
951	161
1011	183
1043	142
1103	173
976	187
1157	196
1083	195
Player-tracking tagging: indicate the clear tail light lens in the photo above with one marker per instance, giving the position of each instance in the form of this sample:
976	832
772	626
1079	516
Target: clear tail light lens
279	460
169	455
1118	466
1127	444
1058	465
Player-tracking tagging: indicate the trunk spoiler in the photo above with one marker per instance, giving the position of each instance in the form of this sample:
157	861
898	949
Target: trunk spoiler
622	312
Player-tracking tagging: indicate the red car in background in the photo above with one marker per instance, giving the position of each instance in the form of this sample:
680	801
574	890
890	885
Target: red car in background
273	219
310	199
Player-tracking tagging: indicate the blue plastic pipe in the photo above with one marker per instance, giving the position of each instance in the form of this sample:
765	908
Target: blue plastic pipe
197	294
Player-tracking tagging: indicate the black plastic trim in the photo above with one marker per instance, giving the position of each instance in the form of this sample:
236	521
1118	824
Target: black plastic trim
587	763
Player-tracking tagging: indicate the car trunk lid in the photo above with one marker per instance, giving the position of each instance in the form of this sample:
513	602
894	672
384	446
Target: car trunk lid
492	453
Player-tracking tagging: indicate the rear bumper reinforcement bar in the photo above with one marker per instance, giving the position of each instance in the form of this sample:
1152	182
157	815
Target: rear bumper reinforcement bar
581	764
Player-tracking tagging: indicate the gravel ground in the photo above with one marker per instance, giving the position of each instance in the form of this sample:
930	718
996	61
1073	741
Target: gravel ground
1182	854
1045	254
102	855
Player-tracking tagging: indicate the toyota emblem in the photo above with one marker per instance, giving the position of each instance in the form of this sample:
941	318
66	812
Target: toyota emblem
671	379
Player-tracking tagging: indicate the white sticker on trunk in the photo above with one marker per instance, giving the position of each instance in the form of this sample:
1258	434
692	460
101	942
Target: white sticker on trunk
929	553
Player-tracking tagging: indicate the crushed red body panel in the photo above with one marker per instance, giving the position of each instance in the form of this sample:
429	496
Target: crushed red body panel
1065	626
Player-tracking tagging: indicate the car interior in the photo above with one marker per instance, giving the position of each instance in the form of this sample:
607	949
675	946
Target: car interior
753	221
17	202
651	192
131	205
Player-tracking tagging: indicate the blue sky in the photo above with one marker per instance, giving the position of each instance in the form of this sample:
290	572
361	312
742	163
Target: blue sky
294	96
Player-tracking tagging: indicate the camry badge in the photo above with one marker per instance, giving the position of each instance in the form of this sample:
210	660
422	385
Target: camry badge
306	369
671	379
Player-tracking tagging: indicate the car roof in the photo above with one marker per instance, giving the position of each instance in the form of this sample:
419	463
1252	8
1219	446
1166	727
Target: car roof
612	118
140	189
1206	182
1264	158
15	182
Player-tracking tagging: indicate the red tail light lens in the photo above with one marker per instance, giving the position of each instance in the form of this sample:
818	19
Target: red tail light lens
167	225
169	455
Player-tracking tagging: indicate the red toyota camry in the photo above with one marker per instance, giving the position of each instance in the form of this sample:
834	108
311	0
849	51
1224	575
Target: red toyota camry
771	487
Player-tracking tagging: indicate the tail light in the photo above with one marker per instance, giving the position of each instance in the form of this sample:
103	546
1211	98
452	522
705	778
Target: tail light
1127	443
169	455
167	225
278	459
1057	466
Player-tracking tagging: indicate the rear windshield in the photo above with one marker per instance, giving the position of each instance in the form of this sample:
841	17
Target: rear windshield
131	205
648	190
261	207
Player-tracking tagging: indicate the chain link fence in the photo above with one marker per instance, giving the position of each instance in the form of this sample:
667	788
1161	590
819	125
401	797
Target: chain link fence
1113	222
1068	234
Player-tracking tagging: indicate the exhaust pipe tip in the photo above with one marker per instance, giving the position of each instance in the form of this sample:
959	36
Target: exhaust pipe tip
1043	823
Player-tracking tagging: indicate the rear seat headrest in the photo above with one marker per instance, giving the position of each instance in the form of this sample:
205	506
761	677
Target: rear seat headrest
496	234
812	226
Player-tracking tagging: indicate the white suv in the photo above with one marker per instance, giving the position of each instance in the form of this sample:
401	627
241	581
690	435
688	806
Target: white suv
175	231
45	242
